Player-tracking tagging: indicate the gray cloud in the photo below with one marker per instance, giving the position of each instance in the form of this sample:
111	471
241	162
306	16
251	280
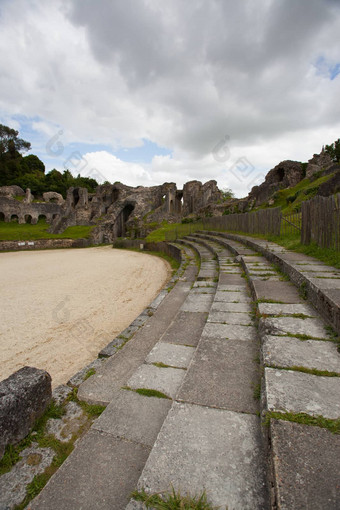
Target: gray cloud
182	74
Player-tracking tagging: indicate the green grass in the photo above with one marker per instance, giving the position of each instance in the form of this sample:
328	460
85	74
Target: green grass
173	500
26	232
290	199
171	231
146	392
305	419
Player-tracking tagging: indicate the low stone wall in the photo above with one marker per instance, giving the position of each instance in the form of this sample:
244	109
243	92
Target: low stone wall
24	396
163	247
42	244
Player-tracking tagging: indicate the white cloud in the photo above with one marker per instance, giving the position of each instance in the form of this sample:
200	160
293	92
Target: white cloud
181	74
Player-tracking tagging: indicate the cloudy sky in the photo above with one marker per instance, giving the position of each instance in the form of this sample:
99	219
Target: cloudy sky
149	91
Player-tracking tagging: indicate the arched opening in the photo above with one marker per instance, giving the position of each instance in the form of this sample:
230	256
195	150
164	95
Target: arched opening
171	206
122	219
14	218
2	216
28	218
115	195
75	196
42	218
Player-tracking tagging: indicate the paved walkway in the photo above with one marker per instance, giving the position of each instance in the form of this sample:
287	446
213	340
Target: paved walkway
225	347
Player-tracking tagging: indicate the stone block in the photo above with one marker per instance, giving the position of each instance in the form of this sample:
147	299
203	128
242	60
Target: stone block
24	397
165	380
289	352
297	392
292	325
178	356
216	450
306	466
229	331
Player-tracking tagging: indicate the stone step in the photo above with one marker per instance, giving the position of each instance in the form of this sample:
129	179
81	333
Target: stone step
298	357
211	437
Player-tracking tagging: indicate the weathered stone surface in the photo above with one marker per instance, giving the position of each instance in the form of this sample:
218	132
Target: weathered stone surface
296	392
283	292
222	306
186	329
292	352
218	450
318	162
197	303
292	325
133	417
306	466
229	332
280	308
170	354
13	484
230	318
24	397
80	376
232	297
165	380
222	374
52	196
100	474
70	423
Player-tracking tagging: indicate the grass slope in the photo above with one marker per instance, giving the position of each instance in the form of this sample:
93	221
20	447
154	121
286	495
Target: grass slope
26	232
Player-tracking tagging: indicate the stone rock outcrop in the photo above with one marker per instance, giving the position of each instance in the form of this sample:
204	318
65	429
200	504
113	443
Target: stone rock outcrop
319	162
284	175
24	396
197	196
11	191
54	197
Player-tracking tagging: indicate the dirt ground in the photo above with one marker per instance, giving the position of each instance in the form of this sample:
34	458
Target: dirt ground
60	307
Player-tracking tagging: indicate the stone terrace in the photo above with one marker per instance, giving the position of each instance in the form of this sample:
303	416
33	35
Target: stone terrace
249	374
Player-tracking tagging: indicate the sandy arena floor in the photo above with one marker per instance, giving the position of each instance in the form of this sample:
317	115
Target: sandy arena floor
60	307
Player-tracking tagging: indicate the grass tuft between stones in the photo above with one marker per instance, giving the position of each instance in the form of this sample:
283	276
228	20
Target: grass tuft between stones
305	419
146	392
173	501
312	371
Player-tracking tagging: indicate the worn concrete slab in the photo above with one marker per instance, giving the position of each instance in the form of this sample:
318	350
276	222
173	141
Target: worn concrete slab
283	325
228	278
284	292
277	309
318	268
208	448
232	297
292	352
230	318
94	476
186	329
165	380
229	332
296	392
203	290
207	273
325	283
170	354
133	417
232	288
221	306
202	283
197	303
223	374
306	466
101	387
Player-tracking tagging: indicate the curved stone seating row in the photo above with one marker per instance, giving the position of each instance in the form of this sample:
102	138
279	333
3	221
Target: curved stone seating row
300	385
211	436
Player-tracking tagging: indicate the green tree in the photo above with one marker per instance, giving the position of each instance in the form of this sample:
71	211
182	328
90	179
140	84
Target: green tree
10	143
334	150
227	193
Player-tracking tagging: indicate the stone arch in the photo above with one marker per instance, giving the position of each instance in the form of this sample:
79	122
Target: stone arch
42	217
122	219
28	218
14	218
2	216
